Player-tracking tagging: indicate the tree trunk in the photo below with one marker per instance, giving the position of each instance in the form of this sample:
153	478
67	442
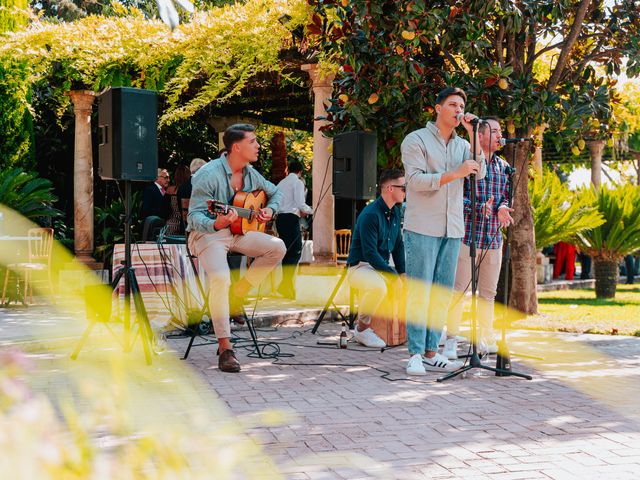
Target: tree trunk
606	272
537	154
523	295
279	167
596	147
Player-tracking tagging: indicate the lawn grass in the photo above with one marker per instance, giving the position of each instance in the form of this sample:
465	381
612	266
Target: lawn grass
580	311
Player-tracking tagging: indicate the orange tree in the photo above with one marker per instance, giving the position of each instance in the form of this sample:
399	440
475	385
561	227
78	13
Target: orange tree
393	57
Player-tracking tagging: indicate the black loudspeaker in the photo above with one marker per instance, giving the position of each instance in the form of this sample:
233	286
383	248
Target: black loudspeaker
127	120
355	165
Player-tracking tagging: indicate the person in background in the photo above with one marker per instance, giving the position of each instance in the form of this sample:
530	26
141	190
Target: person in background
292	207
631	267
184	190
181	176
565	260
585	266
153	201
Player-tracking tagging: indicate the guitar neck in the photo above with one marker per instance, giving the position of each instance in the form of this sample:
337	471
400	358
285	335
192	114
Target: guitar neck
245	212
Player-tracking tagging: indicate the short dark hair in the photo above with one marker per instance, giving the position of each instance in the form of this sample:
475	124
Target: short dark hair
296	167
387	176
236	133
449	91
484	124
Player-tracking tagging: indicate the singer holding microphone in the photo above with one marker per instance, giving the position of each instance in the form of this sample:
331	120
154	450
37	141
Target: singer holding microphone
492	212
436	161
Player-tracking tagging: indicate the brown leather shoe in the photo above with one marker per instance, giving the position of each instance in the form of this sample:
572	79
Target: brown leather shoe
227	362
236	310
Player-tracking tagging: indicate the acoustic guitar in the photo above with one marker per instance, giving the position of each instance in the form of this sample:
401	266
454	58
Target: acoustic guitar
247	204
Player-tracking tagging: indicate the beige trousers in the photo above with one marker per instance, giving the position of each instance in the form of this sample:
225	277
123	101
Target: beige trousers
211	250
372	289
489	262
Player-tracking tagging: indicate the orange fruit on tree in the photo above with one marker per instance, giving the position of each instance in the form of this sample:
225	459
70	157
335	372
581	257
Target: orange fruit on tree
407	35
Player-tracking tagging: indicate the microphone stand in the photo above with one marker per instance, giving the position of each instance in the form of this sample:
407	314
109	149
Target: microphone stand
474	360
503	359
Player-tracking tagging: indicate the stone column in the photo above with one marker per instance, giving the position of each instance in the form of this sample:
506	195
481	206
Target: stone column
322	169
596	148
83	177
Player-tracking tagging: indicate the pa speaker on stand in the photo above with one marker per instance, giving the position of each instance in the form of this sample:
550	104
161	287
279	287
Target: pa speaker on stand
355	165
127	123
355	175
354	172
128	151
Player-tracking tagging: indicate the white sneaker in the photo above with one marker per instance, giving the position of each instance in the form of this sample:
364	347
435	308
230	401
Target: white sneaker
451	349
440	363
415	366
487	348
443	337
368	338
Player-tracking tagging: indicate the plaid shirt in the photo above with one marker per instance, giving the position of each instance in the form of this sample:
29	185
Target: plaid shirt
488	234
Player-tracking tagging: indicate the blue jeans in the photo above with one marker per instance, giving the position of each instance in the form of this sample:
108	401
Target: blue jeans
429	260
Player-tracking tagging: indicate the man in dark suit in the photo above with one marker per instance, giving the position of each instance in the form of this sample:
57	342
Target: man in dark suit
153	201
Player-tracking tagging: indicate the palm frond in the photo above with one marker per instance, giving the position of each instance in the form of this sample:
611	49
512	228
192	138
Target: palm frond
558	213
620	234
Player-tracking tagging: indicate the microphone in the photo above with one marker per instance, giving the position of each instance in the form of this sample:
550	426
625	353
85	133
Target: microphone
505	141
460	116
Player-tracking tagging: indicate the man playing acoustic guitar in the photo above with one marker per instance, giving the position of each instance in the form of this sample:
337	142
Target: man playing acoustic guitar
210	236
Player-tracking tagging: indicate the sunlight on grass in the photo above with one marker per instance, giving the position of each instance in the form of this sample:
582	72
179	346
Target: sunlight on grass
579	311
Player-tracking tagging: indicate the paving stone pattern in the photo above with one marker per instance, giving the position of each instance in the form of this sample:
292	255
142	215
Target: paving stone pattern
357	415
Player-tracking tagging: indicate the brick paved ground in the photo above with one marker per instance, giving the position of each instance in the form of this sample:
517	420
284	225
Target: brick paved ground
578	418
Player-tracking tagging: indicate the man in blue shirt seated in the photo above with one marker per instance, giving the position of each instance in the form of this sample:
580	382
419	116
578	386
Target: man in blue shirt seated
210	237
376	236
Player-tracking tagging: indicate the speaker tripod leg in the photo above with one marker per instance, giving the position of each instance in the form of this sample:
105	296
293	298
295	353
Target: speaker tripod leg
82	341
327	305
144	327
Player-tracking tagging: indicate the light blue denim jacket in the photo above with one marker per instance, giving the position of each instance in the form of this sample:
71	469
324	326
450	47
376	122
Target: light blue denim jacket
213	182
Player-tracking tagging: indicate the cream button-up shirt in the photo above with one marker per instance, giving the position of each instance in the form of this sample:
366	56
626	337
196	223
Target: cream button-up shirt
432	209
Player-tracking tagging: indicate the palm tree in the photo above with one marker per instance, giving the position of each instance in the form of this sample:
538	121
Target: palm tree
558	213
27	194
617	237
